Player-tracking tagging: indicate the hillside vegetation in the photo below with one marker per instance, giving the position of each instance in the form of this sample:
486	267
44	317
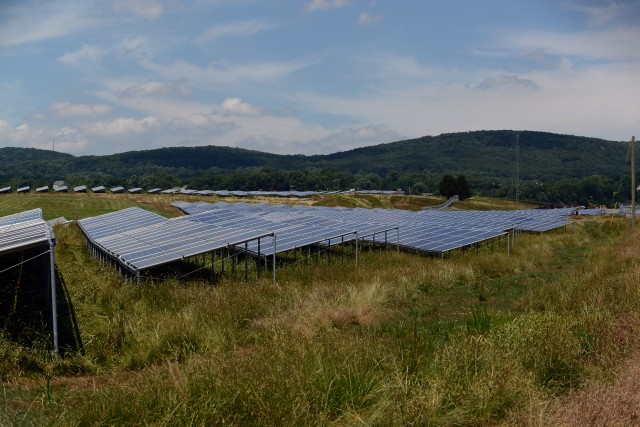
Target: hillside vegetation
553	168
475	338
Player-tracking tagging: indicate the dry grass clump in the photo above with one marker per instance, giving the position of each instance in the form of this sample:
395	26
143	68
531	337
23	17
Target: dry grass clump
615	403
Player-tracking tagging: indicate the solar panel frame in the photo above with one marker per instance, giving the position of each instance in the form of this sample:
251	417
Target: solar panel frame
138	239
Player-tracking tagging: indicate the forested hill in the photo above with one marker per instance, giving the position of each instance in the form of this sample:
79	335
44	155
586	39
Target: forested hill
543	156
481	155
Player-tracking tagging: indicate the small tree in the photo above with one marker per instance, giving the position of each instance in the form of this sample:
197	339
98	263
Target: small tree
462	188
448	186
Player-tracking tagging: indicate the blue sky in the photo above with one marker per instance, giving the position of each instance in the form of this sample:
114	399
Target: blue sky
311	76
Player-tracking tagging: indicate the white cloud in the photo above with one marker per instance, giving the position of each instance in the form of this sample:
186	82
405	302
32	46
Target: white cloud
615	44
366	18
604	14
201	123
325	141
326	4
85	53
156	89
390	68
225	73
124	126
67	139
148	9
235	107
31	21
506	82
234	29
65	109
352	137
584	102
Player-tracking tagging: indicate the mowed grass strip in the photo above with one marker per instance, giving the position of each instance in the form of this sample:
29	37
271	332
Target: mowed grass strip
74	206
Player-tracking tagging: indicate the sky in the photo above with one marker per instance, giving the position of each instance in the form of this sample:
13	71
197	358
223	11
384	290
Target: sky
311	76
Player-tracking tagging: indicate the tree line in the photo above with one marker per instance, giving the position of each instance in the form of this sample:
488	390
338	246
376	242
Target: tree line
594	189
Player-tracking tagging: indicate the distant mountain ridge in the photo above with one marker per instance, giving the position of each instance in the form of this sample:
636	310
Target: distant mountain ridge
480	154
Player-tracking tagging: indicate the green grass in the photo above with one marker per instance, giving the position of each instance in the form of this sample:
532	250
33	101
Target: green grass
476	338
487	203
74	206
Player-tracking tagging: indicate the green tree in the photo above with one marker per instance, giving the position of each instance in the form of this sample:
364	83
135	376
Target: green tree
462	188
448	186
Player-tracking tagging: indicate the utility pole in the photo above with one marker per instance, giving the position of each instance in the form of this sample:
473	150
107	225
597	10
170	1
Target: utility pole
517	169
53	144
633	181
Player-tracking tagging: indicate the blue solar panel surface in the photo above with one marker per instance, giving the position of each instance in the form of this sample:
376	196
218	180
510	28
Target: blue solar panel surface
24	230
142	239
429	230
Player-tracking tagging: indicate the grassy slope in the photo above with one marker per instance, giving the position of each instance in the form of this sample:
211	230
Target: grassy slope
76	206
471	339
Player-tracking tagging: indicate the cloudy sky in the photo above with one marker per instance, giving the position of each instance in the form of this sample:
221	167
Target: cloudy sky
311	76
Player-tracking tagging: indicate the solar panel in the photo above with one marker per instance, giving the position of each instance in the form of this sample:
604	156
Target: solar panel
5	190
80	189
60	189
28	231
98	189
430	230
23	189
117	190
139	239
23	230
42	189
21	217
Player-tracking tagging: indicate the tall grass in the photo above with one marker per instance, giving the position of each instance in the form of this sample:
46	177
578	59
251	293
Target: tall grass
402	339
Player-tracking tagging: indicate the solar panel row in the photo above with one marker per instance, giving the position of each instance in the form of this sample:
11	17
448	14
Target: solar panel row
430	231
139	239
221	193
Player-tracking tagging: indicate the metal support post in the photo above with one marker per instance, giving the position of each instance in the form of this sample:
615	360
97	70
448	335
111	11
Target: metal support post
246	262
633	181
274	260
54	303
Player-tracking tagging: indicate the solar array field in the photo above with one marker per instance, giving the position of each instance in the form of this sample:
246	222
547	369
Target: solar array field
220	193
140	240
428	231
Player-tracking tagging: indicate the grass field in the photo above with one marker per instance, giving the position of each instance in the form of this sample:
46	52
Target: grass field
474	339
76	206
